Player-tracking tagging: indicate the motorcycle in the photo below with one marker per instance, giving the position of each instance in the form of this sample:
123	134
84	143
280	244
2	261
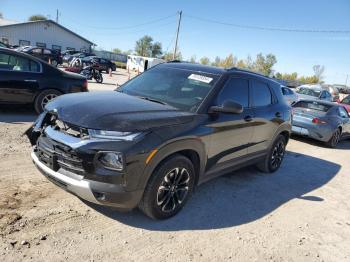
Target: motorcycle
91	71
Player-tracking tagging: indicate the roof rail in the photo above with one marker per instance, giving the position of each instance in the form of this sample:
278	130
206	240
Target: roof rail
246	70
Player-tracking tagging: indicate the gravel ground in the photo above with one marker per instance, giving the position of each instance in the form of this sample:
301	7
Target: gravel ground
300	213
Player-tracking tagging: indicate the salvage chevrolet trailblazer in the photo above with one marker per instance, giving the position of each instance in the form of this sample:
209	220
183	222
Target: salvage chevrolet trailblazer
152	141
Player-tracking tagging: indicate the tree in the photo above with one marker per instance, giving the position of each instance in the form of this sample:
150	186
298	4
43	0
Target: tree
156	49
117	51
216	62
204	60
228	62
37	18
318	73
241	64
169	56
264	64
146	47
193	59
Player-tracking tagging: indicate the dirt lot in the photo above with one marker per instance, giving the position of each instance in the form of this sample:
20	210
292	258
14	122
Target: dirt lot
300	213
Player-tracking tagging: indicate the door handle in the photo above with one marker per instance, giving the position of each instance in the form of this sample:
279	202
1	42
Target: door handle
30	80
278	114
248	118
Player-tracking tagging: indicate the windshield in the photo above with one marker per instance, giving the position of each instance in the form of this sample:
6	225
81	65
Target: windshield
183	89
309	92
346	100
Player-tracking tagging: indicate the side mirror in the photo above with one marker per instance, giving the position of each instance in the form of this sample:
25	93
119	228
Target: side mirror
228	106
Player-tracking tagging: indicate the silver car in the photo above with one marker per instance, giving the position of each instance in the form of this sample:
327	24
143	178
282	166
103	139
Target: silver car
313	92
289	95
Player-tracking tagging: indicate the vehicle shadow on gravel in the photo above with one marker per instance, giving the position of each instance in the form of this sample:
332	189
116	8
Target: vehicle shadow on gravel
241	197
343	144
12	114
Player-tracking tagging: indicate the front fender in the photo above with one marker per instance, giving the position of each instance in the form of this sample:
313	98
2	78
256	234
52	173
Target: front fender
171	148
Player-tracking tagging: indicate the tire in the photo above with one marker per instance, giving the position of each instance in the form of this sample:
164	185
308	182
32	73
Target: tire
274	158
98	77
164	195
43	98
54	63
333	142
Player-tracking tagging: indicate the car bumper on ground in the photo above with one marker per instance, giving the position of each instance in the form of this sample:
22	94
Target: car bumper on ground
93	191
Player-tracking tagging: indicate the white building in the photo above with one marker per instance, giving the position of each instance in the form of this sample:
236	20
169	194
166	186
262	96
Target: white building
45	33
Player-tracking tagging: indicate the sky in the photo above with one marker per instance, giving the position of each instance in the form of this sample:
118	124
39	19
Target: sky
118	24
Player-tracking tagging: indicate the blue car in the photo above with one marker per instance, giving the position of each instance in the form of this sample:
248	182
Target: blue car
321	120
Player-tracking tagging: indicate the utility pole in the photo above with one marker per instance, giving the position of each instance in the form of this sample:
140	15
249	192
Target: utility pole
57	16
177	34
346	80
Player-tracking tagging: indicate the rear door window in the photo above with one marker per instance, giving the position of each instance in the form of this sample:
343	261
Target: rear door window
260	94
237	90
18	63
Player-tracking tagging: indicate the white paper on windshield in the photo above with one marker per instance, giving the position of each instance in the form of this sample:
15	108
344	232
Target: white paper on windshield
200	78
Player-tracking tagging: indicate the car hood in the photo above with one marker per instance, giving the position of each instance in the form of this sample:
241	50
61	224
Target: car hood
115	111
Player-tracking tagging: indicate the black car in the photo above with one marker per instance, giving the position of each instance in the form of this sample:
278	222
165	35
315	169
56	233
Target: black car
101	63
27	80
50	56
151	142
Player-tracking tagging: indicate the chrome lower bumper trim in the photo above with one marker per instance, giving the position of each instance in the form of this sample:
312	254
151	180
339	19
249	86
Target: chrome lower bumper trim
80	188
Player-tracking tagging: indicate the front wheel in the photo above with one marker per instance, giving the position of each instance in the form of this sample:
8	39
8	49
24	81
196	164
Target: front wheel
98	77
274	158
169	188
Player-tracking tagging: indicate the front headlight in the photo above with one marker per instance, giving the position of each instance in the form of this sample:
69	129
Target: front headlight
114	135
111	160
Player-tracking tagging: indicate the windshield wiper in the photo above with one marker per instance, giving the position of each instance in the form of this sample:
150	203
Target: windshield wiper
152	100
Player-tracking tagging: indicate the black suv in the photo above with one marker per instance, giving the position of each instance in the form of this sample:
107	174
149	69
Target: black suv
149	143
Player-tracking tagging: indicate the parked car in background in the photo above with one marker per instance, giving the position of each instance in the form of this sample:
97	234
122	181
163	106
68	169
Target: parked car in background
25	79
50	56
313	92
162	133
333	91
4	45
102	64
289	95
343	89
321	120
346	103
68	57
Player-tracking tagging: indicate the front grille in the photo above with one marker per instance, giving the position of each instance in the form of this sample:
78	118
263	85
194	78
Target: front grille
56	155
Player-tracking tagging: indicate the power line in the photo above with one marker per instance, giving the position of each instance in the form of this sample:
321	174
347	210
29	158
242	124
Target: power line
123	27
293	30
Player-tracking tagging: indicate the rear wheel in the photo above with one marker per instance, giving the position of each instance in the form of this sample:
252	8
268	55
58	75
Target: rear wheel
333	142
98	77
44	98
274	158
169	188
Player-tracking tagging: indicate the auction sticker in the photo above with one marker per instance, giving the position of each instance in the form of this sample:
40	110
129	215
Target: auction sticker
200	78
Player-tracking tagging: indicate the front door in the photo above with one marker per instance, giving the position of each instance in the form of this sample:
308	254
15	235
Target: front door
231	133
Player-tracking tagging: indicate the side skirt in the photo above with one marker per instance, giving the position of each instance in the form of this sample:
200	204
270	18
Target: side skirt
233	165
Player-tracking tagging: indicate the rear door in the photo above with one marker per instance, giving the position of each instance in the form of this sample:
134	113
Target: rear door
267	115
18	78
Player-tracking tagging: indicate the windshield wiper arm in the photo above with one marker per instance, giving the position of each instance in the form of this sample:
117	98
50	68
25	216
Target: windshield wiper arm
152	100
